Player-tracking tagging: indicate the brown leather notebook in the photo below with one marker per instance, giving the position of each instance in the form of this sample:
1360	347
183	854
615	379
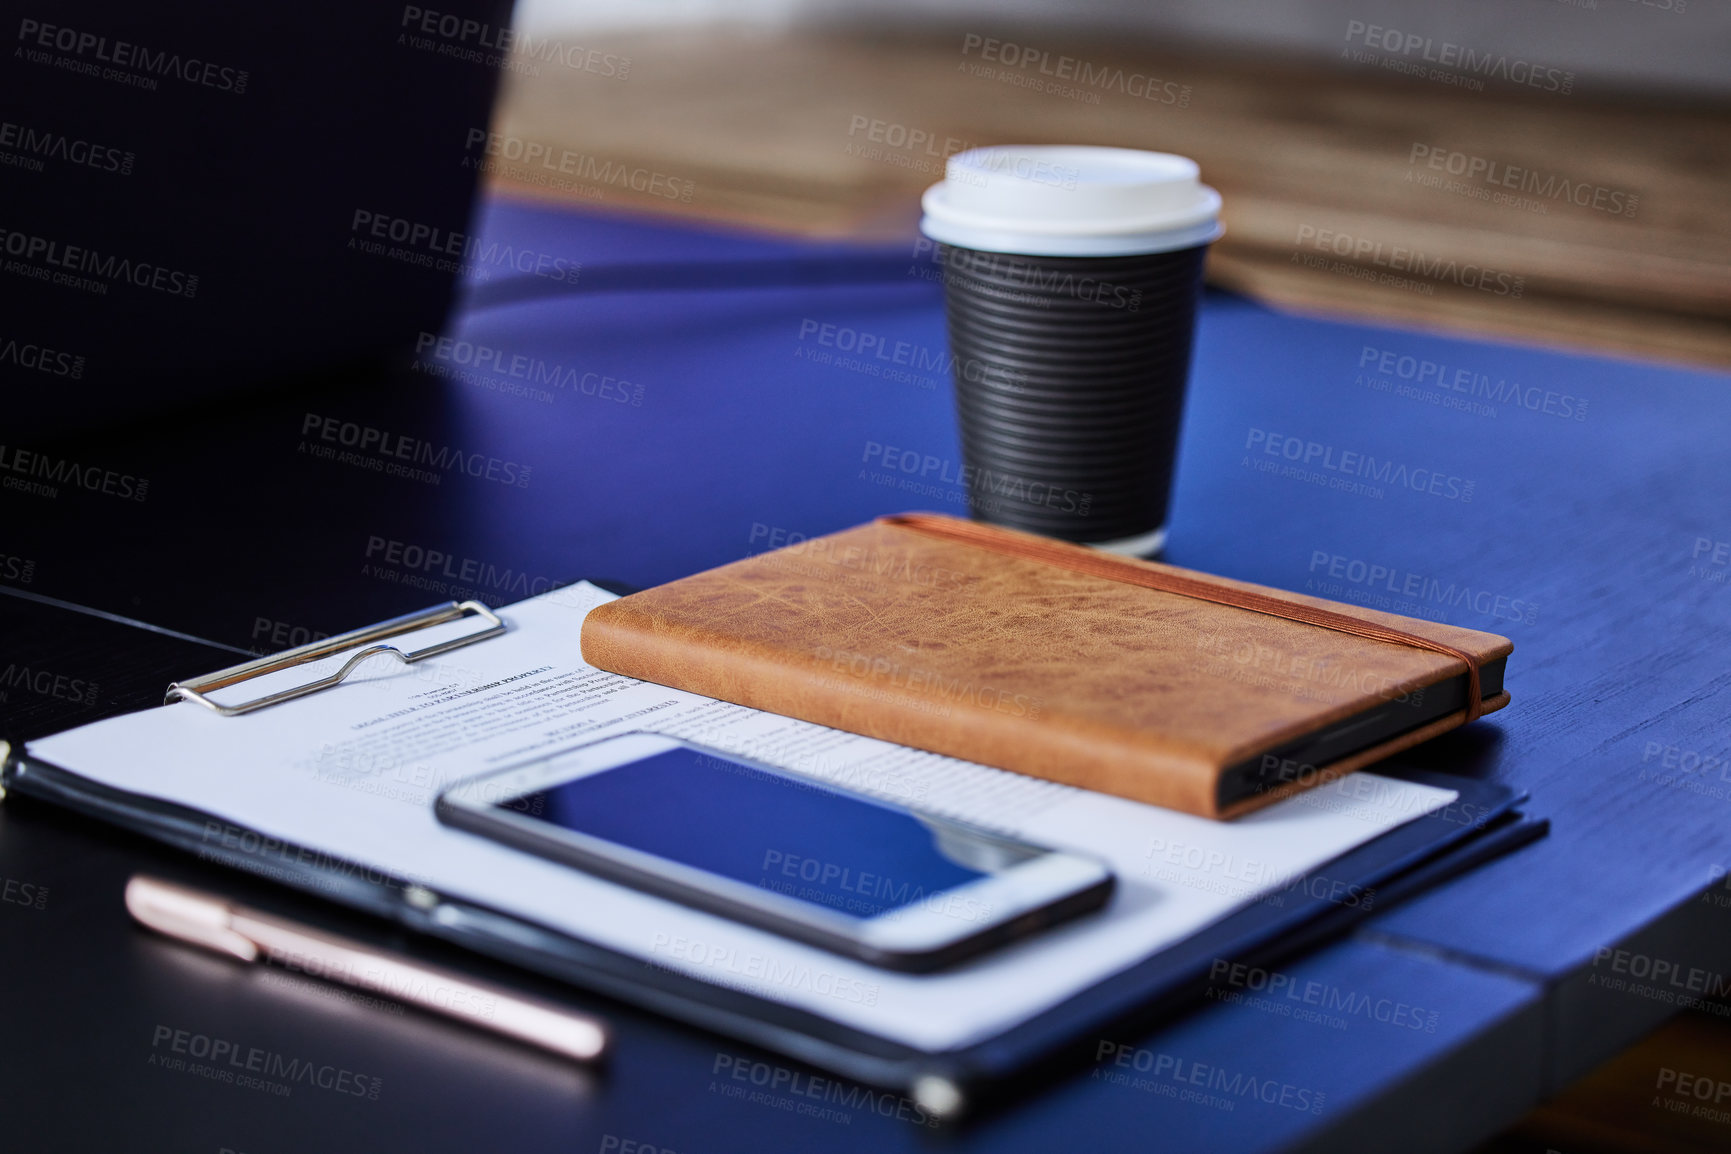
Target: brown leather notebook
1133	678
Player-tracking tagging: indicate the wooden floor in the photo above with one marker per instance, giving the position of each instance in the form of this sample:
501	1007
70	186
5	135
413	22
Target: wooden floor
1325	171
1658	1097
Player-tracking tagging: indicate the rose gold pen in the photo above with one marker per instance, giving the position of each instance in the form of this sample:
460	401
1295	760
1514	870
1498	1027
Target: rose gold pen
207	920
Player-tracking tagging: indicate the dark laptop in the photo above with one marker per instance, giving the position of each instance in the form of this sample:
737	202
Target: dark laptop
207	198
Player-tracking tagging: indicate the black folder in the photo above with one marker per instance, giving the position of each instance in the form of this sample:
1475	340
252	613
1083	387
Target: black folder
1482	823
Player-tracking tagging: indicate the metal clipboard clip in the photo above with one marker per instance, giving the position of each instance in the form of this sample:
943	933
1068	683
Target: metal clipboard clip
370	637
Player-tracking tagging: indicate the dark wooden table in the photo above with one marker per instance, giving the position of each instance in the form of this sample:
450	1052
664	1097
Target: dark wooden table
687	426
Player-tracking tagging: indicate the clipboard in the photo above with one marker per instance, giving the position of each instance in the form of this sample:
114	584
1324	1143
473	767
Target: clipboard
1402	861
368	641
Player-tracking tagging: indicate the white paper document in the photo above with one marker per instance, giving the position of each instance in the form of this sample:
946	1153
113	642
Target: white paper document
352	772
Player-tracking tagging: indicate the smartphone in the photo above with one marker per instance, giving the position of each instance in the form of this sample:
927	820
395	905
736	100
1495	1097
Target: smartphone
878	882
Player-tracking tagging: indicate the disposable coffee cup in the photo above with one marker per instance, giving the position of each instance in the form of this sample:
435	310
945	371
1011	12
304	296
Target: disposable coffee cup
1071	278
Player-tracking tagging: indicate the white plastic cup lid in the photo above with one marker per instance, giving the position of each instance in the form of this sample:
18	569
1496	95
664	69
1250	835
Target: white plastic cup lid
1070	200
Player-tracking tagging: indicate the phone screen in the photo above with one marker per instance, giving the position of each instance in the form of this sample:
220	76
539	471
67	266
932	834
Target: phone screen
847	854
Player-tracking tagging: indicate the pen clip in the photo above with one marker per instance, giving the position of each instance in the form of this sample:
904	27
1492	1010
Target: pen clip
189	916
